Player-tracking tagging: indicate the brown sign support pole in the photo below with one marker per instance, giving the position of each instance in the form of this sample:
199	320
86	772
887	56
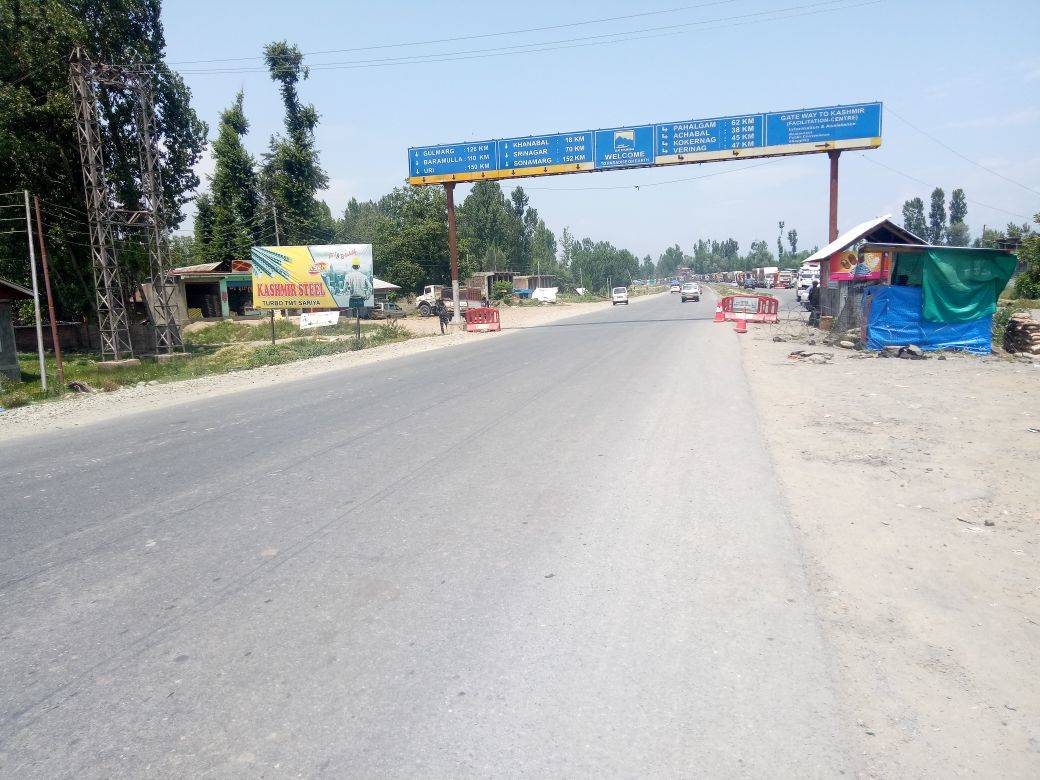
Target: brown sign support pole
834	154
50	298
453	252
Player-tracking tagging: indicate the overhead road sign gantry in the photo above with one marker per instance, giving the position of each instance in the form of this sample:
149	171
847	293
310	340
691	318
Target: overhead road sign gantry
801	131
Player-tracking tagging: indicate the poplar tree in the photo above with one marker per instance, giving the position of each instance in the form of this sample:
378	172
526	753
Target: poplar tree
235	200
958	234
292	175
913	218
937	217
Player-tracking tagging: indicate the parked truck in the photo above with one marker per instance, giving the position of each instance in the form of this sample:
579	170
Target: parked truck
469	298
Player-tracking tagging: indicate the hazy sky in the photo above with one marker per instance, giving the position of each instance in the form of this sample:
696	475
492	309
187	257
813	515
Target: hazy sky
964	71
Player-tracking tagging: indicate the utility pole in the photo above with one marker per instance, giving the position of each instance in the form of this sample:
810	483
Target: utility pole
277	242
50	298
834	154
36	292
453	251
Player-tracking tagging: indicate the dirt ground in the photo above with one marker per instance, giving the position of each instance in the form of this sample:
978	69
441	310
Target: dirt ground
77	410
915	486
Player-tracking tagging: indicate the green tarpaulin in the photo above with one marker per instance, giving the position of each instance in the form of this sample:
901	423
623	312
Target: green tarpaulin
958	285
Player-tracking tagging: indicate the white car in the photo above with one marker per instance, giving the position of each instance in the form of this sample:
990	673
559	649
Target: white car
691	291
619	295
674	287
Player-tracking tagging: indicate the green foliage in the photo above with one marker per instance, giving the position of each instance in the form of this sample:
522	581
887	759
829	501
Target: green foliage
38	144
1027	283
600	265
501	290
292	175
792	240
233	213
488	225
913	218
669	260
937	217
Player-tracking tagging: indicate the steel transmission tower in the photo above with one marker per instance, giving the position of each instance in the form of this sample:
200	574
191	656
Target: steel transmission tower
104	217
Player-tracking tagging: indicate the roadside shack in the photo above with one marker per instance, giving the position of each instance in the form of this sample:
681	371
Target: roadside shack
845	275
935	297
10	293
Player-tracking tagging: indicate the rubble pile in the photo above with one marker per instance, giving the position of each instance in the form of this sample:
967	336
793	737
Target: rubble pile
1022	334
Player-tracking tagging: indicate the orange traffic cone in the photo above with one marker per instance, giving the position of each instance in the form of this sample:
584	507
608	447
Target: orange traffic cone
741	326
719	316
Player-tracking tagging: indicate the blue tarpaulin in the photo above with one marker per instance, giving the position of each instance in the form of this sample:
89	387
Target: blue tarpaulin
894	318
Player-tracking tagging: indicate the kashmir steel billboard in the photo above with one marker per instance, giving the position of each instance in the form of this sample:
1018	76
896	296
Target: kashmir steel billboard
330	276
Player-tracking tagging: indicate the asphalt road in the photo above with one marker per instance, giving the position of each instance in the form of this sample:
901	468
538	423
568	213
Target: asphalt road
558	552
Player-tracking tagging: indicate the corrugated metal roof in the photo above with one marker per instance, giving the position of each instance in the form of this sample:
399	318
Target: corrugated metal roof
379	284
202	268
855	234
16	287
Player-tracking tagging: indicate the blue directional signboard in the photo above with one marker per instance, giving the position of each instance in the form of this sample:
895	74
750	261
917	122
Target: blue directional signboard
801	131
540	151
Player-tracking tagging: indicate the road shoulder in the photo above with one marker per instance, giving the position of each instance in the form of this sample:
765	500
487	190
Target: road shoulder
912	487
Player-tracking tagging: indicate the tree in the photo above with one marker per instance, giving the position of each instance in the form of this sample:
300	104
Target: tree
203	223
566	248
235	199
647	269
792	240
543	249
1027	283
670	259
937	217
292	175
358	223
913	218
599	265
410	241
759	256
779	241
958	234
38	143
486	220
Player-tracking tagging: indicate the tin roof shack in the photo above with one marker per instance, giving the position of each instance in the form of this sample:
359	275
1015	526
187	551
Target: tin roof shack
843	278
533	281
936	297
9	294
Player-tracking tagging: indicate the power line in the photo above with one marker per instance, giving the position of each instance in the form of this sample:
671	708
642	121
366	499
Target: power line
456	39
653	184
964	157
549	46
927	184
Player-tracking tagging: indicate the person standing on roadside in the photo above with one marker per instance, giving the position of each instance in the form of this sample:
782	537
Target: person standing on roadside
814	305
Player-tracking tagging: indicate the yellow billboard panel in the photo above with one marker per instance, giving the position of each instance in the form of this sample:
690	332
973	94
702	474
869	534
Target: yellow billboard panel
329	276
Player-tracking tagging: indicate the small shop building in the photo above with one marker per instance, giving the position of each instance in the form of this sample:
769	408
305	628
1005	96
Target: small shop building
844	277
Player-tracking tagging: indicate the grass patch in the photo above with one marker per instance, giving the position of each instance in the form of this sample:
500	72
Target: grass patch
230	332
202	360
1021	303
